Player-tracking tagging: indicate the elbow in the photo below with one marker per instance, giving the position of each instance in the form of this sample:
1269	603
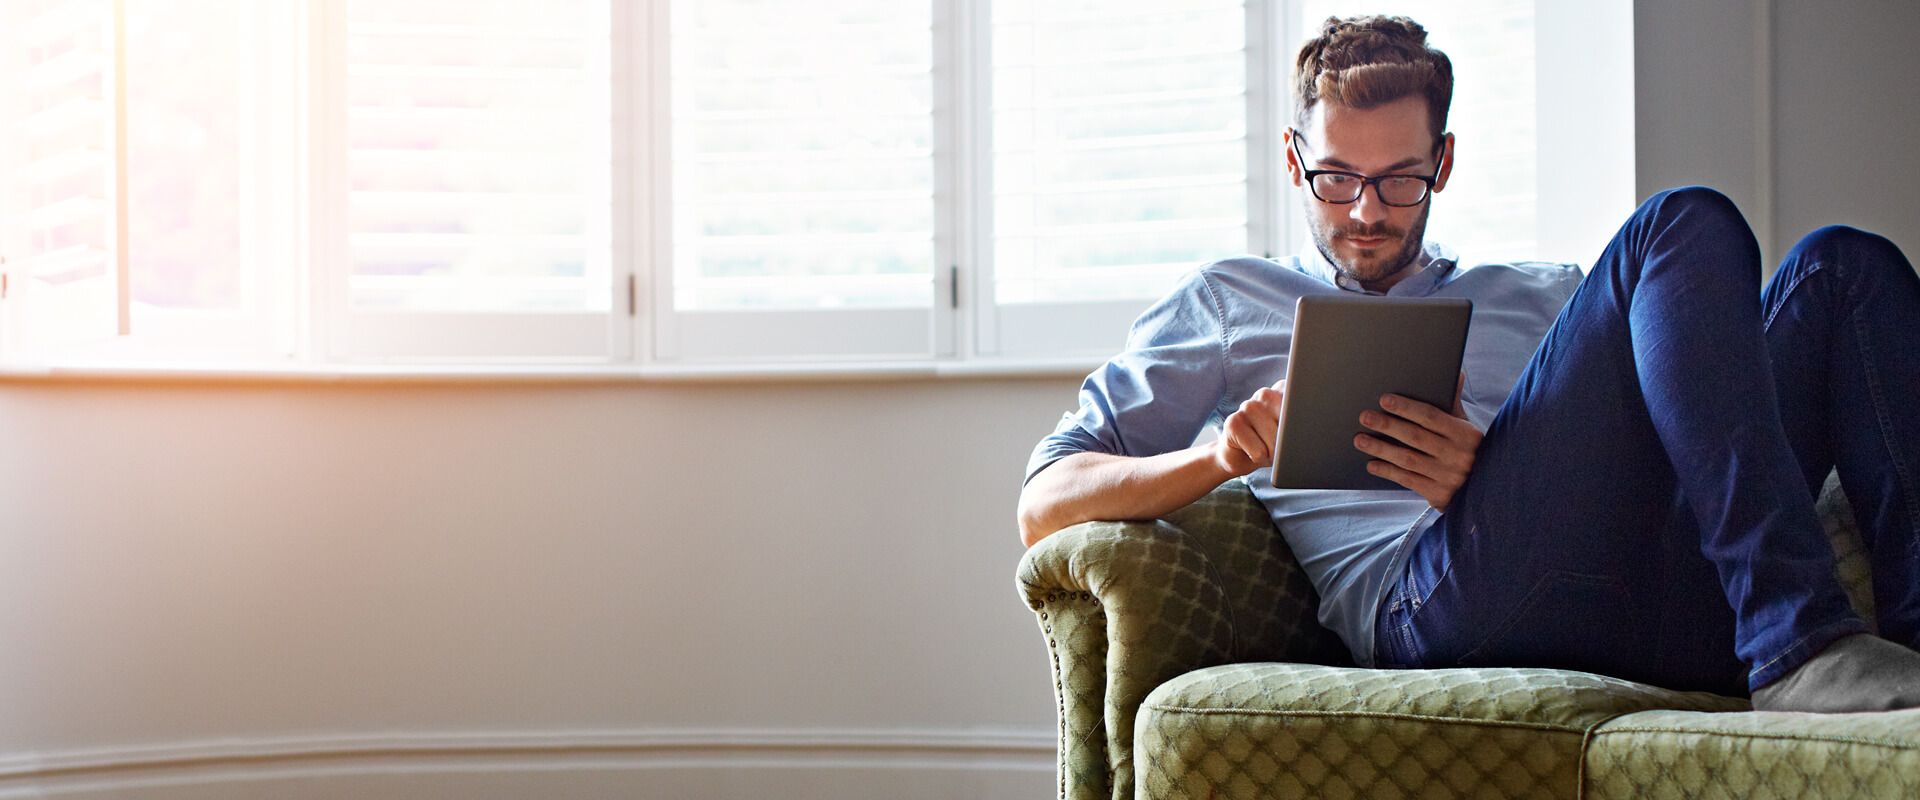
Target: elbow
1045	502
1030	532
1033	519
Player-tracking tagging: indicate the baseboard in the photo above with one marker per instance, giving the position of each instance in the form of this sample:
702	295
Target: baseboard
839	763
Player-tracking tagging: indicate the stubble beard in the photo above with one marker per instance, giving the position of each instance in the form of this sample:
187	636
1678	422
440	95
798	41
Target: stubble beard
1370	270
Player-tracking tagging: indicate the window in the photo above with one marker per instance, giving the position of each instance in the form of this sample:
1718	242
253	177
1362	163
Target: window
803	205
697	181
476	160
1121	133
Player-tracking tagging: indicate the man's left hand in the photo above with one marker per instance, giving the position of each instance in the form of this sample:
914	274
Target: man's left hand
1438	447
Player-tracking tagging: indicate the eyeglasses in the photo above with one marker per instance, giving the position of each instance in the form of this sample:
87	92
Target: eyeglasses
1340	188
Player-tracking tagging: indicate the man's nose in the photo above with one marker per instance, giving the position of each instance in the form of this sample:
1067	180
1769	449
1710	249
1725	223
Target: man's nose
1368	209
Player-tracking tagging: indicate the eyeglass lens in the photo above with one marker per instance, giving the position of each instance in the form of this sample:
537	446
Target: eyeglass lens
1394	191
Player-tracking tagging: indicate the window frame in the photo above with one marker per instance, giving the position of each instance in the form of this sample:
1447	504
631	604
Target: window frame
308	319
440	337
677	336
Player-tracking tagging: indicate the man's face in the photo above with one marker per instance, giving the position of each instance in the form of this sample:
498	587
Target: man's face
1368	240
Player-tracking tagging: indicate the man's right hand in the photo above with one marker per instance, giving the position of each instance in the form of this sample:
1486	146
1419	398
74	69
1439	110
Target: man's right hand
1084	487
1246	438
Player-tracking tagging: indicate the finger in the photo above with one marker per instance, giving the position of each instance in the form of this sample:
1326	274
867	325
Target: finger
1458	389
1427	416
1405	458
1262	415
1239	432
1405	432
1438	494
1419	484
1443	474
1448	460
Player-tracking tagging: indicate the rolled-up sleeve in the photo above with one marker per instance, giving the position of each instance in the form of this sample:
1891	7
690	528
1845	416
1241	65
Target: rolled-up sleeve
1155	396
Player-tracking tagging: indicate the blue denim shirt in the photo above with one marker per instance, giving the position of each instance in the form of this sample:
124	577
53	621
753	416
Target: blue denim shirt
1225	331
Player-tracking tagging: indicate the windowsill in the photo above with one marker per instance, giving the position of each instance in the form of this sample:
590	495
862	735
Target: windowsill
852	371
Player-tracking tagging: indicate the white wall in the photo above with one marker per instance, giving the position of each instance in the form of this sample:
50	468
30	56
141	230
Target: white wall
646	590
592	590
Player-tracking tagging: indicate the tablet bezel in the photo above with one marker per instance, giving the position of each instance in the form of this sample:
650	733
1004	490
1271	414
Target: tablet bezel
1347	350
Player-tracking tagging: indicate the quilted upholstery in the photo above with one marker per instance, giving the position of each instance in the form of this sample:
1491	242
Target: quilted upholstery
1209	585
1158	630
1756	756
1298	731
1850	553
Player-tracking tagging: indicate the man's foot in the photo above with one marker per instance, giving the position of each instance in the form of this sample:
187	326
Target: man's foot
1860	672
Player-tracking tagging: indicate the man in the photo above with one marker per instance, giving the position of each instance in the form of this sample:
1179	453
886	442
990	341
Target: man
1640	502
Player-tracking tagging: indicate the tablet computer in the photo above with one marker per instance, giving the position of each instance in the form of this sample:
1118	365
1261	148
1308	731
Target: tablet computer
1347	351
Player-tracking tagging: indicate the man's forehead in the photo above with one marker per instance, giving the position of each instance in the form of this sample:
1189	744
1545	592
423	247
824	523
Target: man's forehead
1388	133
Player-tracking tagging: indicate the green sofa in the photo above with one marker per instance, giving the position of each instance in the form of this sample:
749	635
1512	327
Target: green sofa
1188	664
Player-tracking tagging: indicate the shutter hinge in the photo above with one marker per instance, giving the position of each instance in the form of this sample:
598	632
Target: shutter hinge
633	295
953	286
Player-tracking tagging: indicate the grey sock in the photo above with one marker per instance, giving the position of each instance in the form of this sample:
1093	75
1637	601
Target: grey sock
1855	673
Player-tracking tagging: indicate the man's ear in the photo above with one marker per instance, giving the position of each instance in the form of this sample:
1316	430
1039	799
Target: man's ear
1446	161
1293	165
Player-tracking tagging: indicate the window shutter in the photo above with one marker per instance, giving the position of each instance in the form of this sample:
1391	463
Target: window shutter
478	180
803	171
1120	148
62	198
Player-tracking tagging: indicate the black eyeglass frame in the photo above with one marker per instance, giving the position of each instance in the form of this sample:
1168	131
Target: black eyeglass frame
1309	174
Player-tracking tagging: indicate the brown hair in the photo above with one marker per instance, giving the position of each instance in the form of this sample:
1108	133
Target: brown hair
1368	61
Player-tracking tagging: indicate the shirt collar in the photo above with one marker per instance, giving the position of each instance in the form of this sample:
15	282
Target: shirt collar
1433	266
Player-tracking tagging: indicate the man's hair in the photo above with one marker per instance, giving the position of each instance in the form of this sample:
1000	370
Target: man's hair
1367	61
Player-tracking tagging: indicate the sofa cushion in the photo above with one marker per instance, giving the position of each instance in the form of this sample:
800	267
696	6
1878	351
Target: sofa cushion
1758	755
1293	730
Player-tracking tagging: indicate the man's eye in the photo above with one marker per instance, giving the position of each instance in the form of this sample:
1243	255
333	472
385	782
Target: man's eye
1337	180
1399	183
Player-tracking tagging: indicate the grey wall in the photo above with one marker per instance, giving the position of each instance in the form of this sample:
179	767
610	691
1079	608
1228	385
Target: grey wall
1804	113
1847	117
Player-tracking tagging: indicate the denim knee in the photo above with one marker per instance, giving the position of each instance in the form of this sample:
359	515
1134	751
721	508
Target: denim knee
1698	220
1840	246
1703	209
1696	201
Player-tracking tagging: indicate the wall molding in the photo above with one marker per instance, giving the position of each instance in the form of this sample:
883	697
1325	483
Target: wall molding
268	758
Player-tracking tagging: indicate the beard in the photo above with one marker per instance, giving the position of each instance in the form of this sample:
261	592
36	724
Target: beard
1385	261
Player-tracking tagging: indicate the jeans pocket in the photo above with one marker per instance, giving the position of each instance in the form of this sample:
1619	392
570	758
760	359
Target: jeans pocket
1567	620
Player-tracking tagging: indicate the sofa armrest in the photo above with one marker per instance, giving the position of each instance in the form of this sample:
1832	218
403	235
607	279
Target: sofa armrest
1126	606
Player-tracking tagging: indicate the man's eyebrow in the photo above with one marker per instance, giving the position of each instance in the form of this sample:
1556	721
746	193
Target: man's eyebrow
1391	168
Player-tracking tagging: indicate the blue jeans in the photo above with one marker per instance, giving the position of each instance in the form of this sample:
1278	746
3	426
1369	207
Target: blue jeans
1642	506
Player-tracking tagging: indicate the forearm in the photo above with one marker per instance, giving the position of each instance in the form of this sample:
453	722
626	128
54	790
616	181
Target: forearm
1096	486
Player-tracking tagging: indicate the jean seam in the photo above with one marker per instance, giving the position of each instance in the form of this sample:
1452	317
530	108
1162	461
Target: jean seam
1801	643
1403	602
1774	312
1405	634
1418	598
